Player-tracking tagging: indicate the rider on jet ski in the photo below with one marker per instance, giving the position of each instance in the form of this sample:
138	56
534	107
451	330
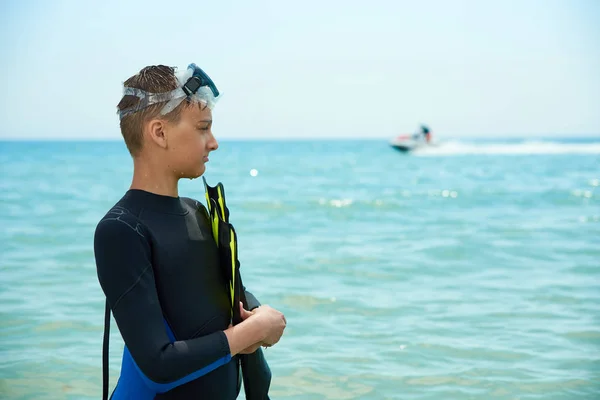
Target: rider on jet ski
425	133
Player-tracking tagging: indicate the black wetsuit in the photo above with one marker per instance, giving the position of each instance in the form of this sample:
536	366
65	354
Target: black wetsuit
158	266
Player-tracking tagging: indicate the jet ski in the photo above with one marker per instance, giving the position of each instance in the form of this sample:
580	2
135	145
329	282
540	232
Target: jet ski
406	143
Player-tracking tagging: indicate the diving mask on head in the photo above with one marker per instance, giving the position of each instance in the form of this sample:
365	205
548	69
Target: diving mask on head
194	85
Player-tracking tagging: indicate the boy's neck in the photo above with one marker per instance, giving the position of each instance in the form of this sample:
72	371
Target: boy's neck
154	180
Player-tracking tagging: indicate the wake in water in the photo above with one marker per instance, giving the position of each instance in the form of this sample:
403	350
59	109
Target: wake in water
457	147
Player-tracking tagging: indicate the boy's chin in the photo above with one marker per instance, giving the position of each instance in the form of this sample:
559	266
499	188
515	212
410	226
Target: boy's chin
194	174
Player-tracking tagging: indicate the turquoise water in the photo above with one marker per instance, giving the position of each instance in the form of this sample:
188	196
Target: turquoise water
471	271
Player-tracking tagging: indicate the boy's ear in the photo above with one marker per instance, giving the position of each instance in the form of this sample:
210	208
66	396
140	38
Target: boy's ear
157	131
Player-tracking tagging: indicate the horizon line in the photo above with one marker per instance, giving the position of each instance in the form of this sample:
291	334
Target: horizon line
309	138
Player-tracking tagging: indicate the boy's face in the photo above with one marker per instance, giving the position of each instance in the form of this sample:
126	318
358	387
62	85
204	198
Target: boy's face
190	140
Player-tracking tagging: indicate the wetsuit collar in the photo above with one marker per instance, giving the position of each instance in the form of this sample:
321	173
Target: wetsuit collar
156	202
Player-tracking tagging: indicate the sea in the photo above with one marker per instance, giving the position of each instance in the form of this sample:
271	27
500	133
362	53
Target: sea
469	270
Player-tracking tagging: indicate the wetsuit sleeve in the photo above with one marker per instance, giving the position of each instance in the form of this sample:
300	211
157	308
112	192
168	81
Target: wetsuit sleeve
123	255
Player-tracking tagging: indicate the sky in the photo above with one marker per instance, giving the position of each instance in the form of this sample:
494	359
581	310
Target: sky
310	69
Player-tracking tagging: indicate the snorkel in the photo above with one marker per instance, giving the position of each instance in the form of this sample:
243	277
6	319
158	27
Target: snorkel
193	84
